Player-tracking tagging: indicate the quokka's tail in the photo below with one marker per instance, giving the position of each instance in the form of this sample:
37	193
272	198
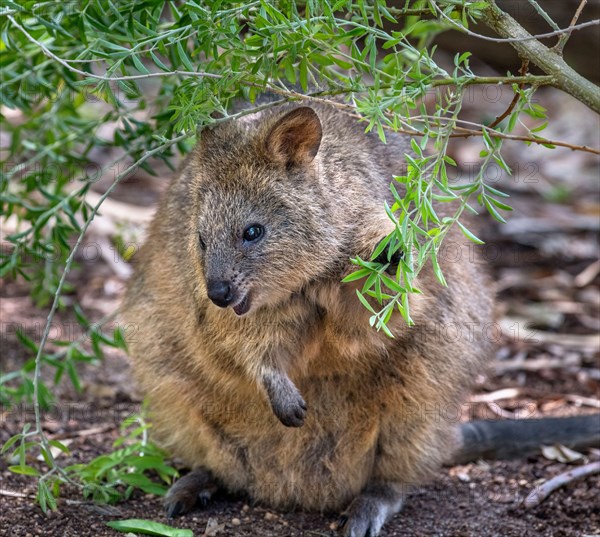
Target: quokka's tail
510	439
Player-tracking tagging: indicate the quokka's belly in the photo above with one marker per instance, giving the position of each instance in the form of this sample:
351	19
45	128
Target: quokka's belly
315	466
319	466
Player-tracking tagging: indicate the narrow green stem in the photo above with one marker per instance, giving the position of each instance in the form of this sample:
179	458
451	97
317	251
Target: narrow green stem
544	15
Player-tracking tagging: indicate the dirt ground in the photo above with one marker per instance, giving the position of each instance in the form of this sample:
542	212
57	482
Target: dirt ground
545	262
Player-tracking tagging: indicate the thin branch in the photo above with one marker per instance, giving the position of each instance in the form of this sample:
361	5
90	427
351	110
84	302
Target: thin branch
539	494
538	141
566	78
515	99
543	80
464	132
537	80
65	63
534	80
467	133
511	39
86	74
406	12
14	494
558	48
48	149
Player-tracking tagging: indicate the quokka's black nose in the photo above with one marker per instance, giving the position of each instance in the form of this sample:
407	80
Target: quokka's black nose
220	293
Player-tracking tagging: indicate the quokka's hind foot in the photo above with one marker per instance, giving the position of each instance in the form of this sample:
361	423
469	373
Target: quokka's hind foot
368	512
195	488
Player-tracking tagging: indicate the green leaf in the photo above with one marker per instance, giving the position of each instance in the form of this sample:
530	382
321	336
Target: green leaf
359	274
80	316
59	445
463	57
437	270
380	247
45	496
184	57
148	527
512	121
496	191
304	74
391	284
539	128
24	469
42	496
119	338
72	372
26	341
469	234
416	147
443	199
139	65
500	205
10	442
386	330
492	210
143	483
500	161
158	62
364	302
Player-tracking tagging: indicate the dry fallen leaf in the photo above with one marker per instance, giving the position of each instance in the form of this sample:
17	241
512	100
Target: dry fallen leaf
213	528
563	454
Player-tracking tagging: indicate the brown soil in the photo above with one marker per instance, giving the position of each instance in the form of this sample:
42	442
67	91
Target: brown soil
488	505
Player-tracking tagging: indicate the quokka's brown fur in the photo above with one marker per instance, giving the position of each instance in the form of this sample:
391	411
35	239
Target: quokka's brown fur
381	412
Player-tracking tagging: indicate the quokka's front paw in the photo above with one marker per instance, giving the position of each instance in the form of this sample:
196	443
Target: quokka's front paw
286	401
393	262
291	411
194	488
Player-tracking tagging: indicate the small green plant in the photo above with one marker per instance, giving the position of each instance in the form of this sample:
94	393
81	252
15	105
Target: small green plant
18	386
134	464
114	476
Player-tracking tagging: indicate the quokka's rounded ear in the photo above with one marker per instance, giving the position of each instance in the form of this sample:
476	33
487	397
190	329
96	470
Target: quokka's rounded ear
295	139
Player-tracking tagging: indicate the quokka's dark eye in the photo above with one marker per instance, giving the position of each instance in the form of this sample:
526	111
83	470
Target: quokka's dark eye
201	242
253	232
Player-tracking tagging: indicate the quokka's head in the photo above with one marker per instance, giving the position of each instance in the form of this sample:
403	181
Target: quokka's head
262	223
